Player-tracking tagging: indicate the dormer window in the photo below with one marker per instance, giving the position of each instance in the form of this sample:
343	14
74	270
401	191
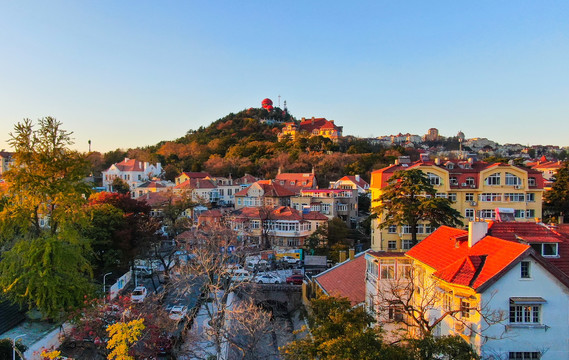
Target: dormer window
434	179
546	249
450	166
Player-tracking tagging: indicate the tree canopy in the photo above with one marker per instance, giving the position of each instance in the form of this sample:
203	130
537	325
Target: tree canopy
556	200
43	254
410	199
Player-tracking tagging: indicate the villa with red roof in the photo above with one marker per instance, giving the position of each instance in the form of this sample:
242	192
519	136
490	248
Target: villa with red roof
341	203
296	181
263	193
282	226
351	182
311	127
500	296
131	171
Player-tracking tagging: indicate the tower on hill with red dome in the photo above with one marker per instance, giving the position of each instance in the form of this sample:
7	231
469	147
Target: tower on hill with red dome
267	104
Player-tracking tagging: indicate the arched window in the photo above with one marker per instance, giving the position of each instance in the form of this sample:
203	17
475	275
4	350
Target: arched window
493	179
512	179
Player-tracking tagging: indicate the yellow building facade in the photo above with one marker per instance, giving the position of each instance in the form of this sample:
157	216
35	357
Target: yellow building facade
478	190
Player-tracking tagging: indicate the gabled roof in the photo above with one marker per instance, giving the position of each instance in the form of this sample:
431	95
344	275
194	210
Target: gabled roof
361	183
270	189
129	165
194	183
346	280
533	233
296	181
245	179
195	175
151	185
446	251
155	199
316	123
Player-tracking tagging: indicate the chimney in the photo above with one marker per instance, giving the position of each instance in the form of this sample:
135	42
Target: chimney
352	253
476	231
437	161
279	172
396	161
470	160
342	255
357	178
332	121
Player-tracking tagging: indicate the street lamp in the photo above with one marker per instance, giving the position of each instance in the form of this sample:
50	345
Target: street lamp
14	347
104	287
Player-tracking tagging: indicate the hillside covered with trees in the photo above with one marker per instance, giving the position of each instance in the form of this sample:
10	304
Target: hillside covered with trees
242	143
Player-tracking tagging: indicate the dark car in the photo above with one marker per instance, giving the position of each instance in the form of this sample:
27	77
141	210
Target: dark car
295	279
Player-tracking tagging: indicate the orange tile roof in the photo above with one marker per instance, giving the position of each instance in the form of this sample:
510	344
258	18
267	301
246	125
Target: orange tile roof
130	165
362	183
346	280
447	251
270	188
196	175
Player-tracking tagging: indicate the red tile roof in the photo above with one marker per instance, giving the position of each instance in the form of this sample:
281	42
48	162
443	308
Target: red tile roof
362	183
270	189
536	233
196	175
130	165
151	185
346	280
316	123
278	213
447	251
194	183
296	181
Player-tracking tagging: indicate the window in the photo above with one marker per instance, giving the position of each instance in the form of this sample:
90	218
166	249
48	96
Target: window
524	313
406	229
404	270
469	196
524	355
525	270
490	197
434	179
395	313
420	229
493	179
429	229
387	270
372	267
406	244
470	181
448	301
530	197
531	181
469	214
326	209
530	213
465	309
453	180
440	195
392	245
512	179
452	197
546	249
514	197
487	214
519	213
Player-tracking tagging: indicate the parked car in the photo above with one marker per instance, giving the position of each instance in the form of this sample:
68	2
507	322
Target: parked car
240	275
295	279
290	260
143	271
266	278
138	295
178	312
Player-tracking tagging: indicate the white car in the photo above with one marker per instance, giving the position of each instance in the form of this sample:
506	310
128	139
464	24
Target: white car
240	275
178	312
138	295
266	279
290	260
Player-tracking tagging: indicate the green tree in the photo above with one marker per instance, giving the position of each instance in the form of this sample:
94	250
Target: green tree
120	186
451	347
410	199
43	259
340	331
556	200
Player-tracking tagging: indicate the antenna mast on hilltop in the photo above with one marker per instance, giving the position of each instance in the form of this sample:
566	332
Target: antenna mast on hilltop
279	101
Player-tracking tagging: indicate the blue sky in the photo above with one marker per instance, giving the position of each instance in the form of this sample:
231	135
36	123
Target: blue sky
132	73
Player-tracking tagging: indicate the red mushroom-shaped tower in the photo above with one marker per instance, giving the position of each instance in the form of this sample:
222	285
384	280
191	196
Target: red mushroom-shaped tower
267	104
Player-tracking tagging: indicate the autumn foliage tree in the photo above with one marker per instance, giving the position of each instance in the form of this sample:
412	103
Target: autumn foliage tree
44	262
